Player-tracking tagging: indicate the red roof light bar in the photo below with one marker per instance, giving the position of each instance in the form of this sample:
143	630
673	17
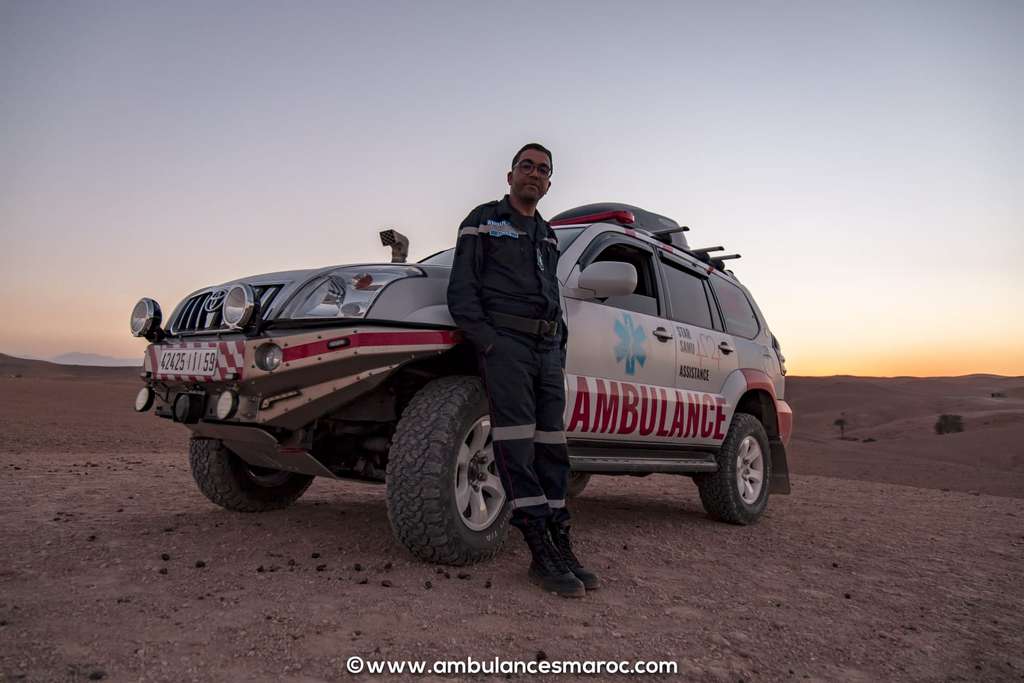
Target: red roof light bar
622	217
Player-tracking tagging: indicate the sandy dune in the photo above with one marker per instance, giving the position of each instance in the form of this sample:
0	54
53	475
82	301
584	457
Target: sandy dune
900	414
844	580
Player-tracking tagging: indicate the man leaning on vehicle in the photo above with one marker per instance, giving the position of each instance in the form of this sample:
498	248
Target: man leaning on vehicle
503	294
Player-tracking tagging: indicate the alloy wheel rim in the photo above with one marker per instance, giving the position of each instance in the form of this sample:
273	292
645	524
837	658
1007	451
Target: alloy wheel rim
749	470
479	495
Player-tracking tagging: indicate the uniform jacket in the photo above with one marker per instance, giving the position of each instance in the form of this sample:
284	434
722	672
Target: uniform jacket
503	262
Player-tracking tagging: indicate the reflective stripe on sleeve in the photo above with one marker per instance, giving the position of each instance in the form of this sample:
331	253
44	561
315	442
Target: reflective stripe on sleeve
468	231
551	240
549	437
556	503
528	502
513	433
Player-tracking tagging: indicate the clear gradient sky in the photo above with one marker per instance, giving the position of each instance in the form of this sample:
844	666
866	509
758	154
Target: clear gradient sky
865	157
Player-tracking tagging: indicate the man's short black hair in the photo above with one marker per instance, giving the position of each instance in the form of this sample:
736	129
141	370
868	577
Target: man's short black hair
533	145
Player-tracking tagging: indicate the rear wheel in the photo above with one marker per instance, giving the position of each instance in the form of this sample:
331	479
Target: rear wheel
234	484
445	501
738	492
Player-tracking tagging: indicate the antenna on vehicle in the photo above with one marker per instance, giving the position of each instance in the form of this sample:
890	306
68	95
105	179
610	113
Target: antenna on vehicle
398	242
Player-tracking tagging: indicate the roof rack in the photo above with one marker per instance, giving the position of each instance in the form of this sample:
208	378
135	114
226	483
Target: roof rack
719	261
658	227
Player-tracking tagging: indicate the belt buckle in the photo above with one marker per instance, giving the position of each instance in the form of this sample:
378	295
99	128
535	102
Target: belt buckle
548	328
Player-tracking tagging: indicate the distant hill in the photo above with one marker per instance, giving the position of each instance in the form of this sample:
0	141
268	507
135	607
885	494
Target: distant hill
77	358
11	366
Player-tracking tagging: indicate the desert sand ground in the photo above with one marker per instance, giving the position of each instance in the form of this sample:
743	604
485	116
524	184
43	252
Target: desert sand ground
894	559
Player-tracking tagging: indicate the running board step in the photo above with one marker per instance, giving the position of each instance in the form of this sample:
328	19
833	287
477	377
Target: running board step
688	464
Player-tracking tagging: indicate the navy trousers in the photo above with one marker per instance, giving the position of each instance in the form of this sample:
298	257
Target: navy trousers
525	387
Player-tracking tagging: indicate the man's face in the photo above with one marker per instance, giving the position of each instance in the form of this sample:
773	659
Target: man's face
530	186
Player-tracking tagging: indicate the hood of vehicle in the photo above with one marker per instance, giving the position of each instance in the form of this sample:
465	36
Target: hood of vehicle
278	288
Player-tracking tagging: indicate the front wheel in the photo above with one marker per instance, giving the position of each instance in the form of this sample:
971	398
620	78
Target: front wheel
738	492
445	500
234	484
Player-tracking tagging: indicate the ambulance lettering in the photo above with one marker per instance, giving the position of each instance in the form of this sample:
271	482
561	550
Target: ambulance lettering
627	408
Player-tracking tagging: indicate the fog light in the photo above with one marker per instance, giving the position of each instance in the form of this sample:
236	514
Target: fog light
188	408
269	357
227	404
144	399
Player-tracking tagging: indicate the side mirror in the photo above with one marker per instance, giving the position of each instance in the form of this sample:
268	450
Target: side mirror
609	278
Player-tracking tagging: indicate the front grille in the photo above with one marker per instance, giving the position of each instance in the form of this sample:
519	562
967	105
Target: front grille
193	318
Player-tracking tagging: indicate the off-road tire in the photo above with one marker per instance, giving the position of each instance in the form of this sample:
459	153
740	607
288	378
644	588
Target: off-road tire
231	483
719	491
421	474
577	482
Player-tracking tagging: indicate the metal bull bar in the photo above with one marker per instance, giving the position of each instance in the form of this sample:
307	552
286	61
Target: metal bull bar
261	449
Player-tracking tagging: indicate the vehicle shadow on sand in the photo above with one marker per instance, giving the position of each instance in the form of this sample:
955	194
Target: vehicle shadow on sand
348	516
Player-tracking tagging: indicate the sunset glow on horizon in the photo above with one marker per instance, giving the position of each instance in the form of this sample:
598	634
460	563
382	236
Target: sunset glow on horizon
864	159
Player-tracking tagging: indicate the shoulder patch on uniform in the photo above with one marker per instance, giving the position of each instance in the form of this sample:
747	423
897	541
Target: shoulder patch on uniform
499	228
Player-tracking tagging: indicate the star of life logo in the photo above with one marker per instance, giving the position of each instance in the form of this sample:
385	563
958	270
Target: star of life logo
630	348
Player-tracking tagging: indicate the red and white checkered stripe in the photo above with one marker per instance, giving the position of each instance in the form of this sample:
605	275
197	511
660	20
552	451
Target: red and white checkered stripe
230	361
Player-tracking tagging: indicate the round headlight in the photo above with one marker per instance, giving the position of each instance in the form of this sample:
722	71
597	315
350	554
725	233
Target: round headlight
144	399
227	404
146	317
269	357
239	306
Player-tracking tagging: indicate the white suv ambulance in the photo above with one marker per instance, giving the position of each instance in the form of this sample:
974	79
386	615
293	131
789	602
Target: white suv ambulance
358	372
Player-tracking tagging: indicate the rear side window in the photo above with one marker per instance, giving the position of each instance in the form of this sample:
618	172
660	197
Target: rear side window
736	309
686	291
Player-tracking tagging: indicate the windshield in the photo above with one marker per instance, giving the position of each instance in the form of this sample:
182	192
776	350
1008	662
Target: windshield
565	238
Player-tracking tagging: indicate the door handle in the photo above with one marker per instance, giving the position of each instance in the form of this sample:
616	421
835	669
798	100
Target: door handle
725	347
662	334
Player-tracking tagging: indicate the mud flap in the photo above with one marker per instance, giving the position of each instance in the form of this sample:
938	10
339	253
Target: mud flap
780	468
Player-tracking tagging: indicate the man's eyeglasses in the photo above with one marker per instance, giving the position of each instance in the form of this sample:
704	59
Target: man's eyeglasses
527	167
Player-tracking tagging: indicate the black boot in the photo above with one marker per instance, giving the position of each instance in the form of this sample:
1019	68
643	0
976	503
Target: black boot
548	570
560	537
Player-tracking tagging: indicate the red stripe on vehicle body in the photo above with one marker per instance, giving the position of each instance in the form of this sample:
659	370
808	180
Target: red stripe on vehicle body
785	414
758	379
360	339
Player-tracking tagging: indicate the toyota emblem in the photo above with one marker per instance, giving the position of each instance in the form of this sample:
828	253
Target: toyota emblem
215	300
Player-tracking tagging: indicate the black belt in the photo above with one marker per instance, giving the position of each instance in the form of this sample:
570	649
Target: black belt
541	328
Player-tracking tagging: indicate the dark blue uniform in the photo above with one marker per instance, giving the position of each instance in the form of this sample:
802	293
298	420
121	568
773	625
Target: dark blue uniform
503	293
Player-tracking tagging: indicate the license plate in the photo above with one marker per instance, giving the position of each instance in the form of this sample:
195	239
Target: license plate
194	362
